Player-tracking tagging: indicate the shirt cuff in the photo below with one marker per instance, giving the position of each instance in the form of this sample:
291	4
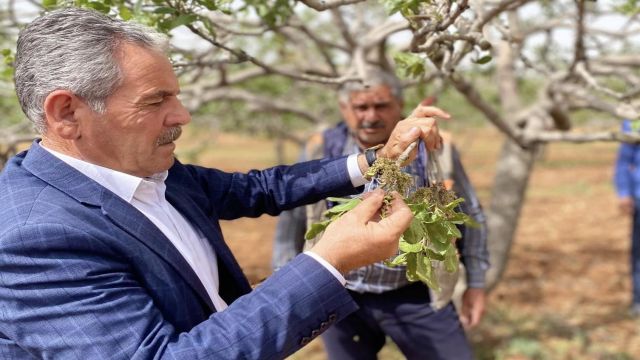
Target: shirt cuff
475	280
328	266
357	177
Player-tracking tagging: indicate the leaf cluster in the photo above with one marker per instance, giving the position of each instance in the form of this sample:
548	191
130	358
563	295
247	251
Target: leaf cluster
388	176
431	235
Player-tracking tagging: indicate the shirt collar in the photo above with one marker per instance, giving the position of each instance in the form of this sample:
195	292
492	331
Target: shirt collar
121	184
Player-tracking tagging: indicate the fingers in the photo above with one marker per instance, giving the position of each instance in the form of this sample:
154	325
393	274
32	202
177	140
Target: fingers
410	136
464	320
474	319
429	132
400	215
471	317
369	206
429	111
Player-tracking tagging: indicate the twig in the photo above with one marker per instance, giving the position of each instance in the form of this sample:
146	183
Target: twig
405	154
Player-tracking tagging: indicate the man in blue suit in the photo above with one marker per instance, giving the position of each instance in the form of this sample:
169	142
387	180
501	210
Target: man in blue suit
110	248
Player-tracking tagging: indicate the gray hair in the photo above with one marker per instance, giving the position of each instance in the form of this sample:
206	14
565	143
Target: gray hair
374	77
74	49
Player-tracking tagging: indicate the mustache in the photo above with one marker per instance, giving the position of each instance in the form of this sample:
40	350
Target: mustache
170	135
377	124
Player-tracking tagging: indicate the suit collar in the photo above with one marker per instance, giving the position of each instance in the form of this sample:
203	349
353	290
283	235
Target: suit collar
61	176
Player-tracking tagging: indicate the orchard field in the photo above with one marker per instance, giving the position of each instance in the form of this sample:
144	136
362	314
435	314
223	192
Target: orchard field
565	293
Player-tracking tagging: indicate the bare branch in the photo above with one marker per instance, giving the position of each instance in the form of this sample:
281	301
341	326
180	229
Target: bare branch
579	55
382	32
474	97
580	98
243	56
581	70
620	60
255	102
559	136
497	10
344	29
322	5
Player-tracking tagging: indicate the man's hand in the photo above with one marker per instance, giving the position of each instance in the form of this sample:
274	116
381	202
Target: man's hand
421	124
473	302
360	237
626	205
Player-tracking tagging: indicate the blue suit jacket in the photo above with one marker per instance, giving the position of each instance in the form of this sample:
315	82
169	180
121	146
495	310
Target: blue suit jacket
84	275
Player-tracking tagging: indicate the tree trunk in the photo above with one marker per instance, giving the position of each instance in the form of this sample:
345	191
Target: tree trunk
513	169
507	196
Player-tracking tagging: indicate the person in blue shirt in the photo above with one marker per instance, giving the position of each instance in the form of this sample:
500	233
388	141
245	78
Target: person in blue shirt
627	182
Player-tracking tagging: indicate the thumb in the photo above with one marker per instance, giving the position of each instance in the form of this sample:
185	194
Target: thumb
369	206
410	136
464	320
400	215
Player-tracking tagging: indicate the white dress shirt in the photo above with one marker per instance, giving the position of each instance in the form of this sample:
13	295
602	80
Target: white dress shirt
148	196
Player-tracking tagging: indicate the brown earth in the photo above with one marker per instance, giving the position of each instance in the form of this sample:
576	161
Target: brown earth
565	292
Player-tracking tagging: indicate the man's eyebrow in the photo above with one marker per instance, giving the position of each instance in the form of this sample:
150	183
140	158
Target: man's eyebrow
156	95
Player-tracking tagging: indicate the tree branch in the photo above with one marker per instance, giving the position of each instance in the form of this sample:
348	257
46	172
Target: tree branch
322	5
243	56
578	138
255	102
474	97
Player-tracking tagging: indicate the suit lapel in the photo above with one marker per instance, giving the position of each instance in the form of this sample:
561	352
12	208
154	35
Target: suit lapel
227	265
86	191
139	226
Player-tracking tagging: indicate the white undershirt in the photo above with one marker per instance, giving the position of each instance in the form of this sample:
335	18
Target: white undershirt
148	196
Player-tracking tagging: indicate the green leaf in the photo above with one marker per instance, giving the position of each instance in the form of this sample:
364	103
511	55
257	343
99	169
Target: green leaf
437	232
316	229
440	247
483	60
339	200
125	13
344	207
209	4
406	7
410	64
409	248
397	261
49	3
451	260
165	10
433	256
412	266
426	274
185	19
414	232
452	230
452	205
96	5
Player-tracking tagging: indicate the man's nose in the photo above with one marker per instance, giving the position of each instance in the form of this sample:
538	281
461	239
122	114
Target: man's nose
369	114
179	115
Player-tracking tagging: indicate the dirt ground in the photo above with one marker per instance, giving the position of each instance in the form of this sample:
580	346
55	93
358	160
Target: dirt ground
566	290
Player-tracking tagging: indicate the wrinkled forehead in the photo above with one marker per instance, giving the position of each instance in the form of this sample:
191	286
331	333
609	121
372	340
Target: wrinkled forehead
373	94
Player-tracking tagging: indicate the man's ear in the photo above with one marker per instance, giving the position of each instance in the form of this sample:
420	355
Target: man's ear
61	110
344	108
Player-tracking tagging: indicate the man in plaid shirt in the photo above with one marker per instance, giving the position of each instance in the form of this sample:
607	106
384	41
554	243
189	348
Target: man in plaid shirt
422	323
